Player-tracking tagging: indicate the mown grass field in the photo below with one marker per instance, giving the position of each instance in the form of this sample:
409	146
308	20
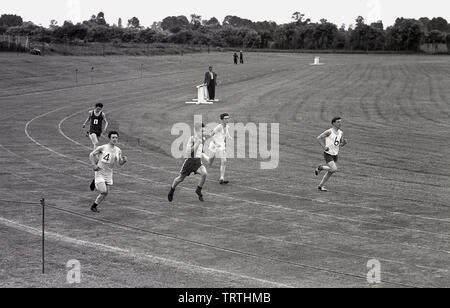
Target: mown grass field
268	228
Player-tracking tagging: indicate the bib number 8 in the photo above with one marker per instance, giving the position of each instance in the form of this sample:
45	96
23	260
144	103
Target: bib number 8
95	122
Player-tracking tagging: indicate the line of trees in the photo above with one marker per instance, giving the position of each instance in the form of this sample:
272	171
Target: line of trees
301	33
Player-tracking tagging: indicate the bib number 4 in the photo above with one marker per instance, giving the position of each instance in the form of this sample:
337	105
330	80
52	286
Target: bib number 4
107	158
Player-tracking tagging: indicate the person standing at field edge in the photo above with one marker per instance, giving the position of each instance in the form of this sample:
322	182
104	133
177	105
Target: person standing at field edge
211	83
235	56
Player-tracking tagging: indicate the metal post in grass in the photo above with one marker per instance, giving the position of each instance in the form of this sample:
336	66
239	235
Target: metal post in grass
43	235
76	77
92	75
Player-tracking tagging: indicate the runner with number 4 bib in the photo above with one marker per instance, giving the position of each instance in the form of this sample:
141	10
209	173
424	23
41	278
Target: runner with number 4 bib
331	141
108	155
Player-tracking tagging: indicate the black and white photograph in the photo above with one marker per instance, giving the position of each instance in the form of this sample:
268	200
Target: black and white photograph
237	146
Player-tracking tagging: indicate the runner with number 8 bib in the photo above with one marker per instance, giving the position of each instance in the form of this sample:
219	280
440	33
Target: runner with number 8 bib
96	118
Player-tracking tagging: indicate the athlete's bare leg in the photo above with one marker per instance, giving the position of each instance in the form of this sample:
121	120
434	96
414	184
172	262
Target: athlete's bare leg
178	181
223	167
175	183
203	174
94	140
102	188
325	168
209	160
331	169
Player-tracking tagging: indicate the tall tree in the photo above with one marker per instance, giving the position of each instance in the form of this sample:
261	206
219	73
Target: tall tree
439	24
213	22
134	23
405	34
298	19
196	21
297	16
436	37
156	26
378	25
359	21
174	24
425	22
10	20
100	19
53	24
236	21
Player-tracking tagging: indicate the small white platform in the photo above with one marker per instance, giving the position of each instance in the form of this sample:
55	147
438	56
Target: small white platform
317	62
202	97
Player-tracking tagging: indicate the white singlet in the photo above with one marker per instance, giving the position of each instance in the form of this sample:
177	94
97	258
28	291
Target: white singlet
333	142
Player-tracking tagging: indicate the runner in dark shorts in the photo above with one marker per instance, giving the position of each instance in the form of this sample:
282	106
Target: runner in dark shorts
331	141
96	118
193	163
329	158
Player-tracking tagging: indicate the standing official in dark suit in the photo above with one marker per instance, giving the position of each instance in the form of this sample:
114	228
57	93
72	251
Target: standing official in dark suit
211	83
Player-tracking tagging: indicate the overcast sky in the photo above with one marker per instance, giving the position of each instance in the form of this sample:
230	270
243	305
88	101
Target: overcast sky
280	11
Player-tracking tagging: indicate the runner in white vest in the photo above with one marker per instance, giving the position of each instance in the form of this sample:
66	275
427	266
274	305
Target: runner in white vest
331	141
218	145
103	160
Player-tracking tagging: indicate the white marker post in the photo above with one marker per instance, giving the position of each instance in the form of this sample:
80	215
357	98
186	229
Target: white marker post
317	62
202	96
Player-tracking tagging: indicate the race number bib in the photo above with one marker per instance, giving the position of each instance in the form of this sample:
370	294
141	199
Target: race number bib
337	141
106	158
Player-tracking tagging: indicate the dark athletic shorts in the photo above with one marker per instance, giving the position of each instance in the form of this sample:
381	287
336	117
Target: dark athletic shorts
191	165
329	158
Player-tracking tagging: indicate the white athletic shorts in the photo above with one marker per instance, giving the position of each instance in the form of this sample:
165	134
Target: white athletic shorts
219	150
103	178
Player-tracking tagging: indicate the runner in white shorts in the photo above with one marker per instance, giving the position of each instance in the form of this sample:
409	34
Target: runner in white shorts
103	160
218	145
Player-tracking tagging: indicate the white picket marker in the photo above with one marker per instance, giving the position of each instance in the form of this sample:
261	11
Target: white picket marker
317	62
202	97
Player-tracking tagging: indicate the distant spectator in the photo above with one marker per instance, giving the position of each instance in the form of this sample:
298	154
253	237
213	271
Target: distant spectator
235	56
211	83
241	57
